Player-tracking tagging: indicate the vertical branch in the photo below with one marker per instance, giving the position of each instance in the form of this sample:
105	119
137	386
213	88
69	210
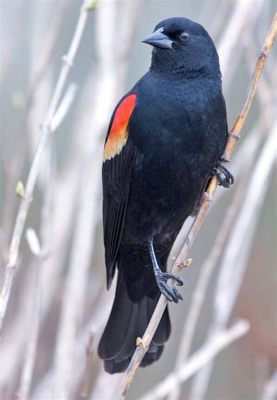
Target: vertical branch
243	11
198	360
229	280
31	348
246	153
179	261
270	388
87	382
45	131
205	275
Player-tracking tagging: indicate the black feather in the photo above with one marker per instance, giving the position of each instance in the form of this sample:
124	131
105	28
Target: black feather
176	136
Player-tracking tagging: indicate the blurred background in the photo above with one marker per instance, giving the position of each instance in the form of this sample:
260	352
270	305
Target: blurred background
58	303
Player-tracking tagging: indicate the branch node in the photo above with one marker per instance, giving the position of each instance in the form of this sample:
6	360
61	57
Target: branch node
235	136
91	5
186	263
225	159
264	52
66	61
206	197
202	213
140	343
20	189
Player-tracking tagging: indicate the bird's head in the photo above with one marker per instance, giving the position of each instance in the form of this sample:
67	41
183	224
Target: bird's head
184	46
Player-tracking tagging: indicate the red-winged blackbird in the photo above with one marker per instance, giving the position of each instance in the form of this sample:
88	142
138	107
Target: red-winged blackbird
165	140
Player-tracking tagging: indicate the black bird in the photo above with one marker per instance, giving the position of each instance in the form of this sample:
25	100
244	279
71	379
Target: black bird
165	140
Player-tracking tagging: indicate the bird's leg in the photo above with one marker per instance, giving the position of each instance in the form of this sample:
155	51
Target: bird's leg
224	177
170	293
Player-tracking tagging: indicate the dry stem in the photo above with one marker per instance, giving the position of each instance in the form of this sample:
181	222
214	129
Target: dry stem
233	138
237	251
45	132
270	389
205	276
199	359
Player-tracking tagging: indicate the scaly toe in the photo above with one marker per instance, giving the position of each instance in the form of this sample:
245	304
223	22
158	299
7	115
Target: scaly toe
169	275
166	291
177	294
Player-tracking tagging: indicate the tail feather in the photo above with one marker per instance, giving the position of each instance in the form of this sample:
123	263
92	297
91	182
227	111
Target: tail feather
118	324
153	354
128	321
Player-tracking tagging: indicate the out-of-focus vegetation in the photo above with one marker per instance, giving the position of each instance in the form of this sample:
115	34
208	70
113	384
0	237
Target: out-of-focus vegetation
60	294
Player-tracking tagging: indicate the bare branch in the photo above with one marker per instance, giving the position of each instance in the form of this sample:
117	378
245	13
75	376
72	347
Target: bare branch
200	358
31	348
45	131
237	251
205	275
149	333
212	259
87	382
48	48
64	107
226	293
87	214
270	389
243	11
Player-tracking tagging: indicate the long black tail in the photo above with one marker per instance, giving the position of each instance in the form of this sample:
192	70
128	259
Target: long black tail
128	321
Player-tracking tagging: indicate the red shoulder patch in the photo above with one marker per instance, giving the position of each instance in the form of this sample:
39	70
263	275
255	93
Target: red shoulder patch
118	134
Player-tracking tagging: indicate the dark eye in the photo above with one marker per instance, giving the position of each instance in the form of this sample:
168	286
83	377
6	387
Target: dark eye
184	36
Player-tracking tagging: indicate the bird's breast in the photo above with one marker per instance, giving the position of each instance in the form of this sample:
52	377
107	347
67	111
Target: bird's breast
179	131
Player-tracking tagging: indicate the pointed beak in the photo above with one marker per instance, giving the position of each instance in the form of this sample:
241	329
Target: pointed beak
158	39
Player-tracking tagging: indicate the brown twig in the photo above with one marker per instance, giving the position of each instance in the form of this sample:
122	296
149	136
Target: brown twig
237	251
207	198
205	275
265	98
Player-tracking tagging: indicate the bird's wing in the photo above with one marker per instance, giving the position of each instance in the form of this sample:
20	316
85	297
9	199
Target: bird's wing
118	164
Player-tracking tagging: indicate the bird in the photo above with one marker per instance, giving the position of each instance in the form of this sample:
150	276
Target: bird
165	141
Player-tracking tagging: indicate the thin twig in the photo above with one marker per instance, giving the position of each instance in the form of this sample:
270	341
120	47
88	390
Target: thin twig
266	99
87	214
270	389
226	293
87	382
200	358
45	132
236	253
92	329
205	276
233	138
75	285
52	35
227	46
64	106
29	362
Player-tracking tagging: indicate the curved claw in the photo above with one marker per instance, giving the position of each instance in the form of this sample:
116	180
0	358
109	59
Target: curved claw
166	291
225	178
169	275
172	294
177	294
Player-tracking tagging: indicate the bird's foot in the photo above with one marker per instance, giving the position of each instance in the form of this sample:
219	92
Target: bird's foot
171	293
224	177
